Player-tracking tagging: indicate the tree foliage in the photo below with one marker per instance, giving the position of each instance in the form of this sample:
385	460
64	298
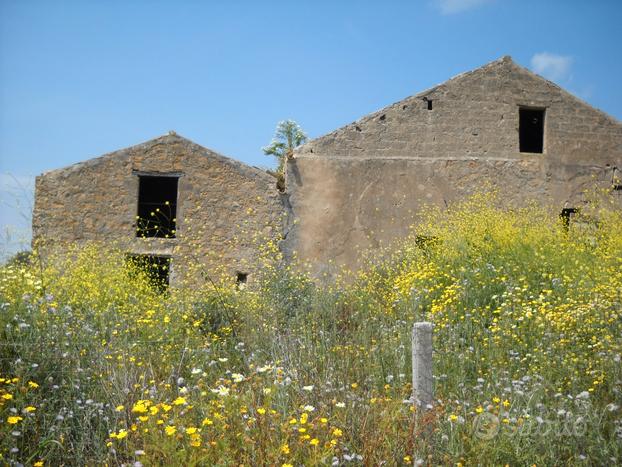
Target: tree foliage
287	137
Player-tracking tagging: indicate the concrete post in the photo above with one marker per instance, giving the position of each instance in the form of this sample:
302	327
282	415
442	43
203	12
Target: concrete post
423	383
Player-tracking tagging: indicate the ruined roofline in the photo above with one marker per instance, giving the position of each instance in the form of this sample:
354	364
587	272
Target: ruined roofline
244	169
505	60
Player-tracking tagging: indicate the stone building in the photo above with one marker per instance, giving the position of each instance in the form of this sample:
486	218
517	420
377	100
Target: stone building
360	186
161	201
356	188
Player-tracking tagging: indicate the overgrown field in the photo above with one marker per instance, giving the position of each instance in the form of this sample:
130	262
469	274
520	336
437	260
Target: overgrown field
96	367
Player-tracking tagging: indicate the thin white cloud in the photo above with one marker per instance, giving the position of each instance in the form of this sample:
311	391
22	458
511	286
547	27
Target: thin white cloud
450	7
552	66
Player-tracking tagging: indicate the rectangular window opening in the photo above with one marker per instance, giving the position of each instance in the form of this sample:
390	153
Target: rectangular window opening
429	104
156	268
157	206
531	130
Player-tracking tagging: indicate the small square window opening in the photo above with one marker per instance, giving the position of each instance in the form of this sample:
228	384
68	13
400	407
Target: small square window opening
567	215
241	279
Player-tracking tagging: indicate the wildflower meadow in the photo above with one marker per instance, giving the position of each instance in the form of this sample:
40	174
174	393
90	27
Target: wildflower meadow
99	367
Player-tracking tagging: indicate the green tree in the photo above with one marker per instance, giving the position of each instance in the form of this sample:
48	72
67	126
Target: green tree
287	137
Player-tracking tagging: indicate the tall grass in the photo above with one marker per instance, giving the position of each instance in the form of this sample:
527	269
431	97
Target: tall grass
98	367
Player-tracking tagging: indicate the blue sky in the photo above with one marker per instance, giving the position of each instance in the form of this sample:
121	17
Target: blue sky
82	78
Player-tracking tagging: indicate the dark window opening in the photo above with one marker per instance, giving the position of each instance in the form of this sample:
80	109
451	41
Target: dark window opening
241	278
531	130
157	207
567	215
429	104
156	268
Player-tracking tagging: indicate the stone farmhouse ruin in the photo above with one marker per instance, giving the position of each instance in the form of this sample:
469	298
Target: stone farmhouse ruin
164	200
358	187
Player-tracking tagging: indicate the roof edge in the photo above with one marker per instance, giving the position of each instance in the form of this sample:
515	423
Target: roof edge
505	59
372	115
169	137
565	92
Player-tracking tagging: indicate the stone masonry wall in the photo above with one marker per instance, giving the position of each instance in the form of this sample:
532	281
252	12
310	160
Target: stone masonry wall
362	185
223	206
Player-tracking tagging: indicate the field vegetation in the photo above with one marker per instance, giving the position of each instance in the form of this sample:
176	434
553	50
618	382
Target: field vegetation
99	367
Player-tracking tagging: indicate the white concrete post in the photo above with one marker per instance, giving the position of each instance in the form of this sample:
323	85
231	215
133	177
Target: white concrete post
423	383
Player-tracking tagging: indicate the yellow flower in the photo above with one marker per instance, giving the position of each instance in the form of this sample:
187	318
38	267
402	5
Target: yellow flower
38	464
29	409
179	401
119	408
122	434
496	400
337	432
479	409
141	406
453	417
195	441
285	449
323	420
32	385
207	421
261	411
143	418
314	442
7	397
170	430
13	420
287	465
506	403
191	430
